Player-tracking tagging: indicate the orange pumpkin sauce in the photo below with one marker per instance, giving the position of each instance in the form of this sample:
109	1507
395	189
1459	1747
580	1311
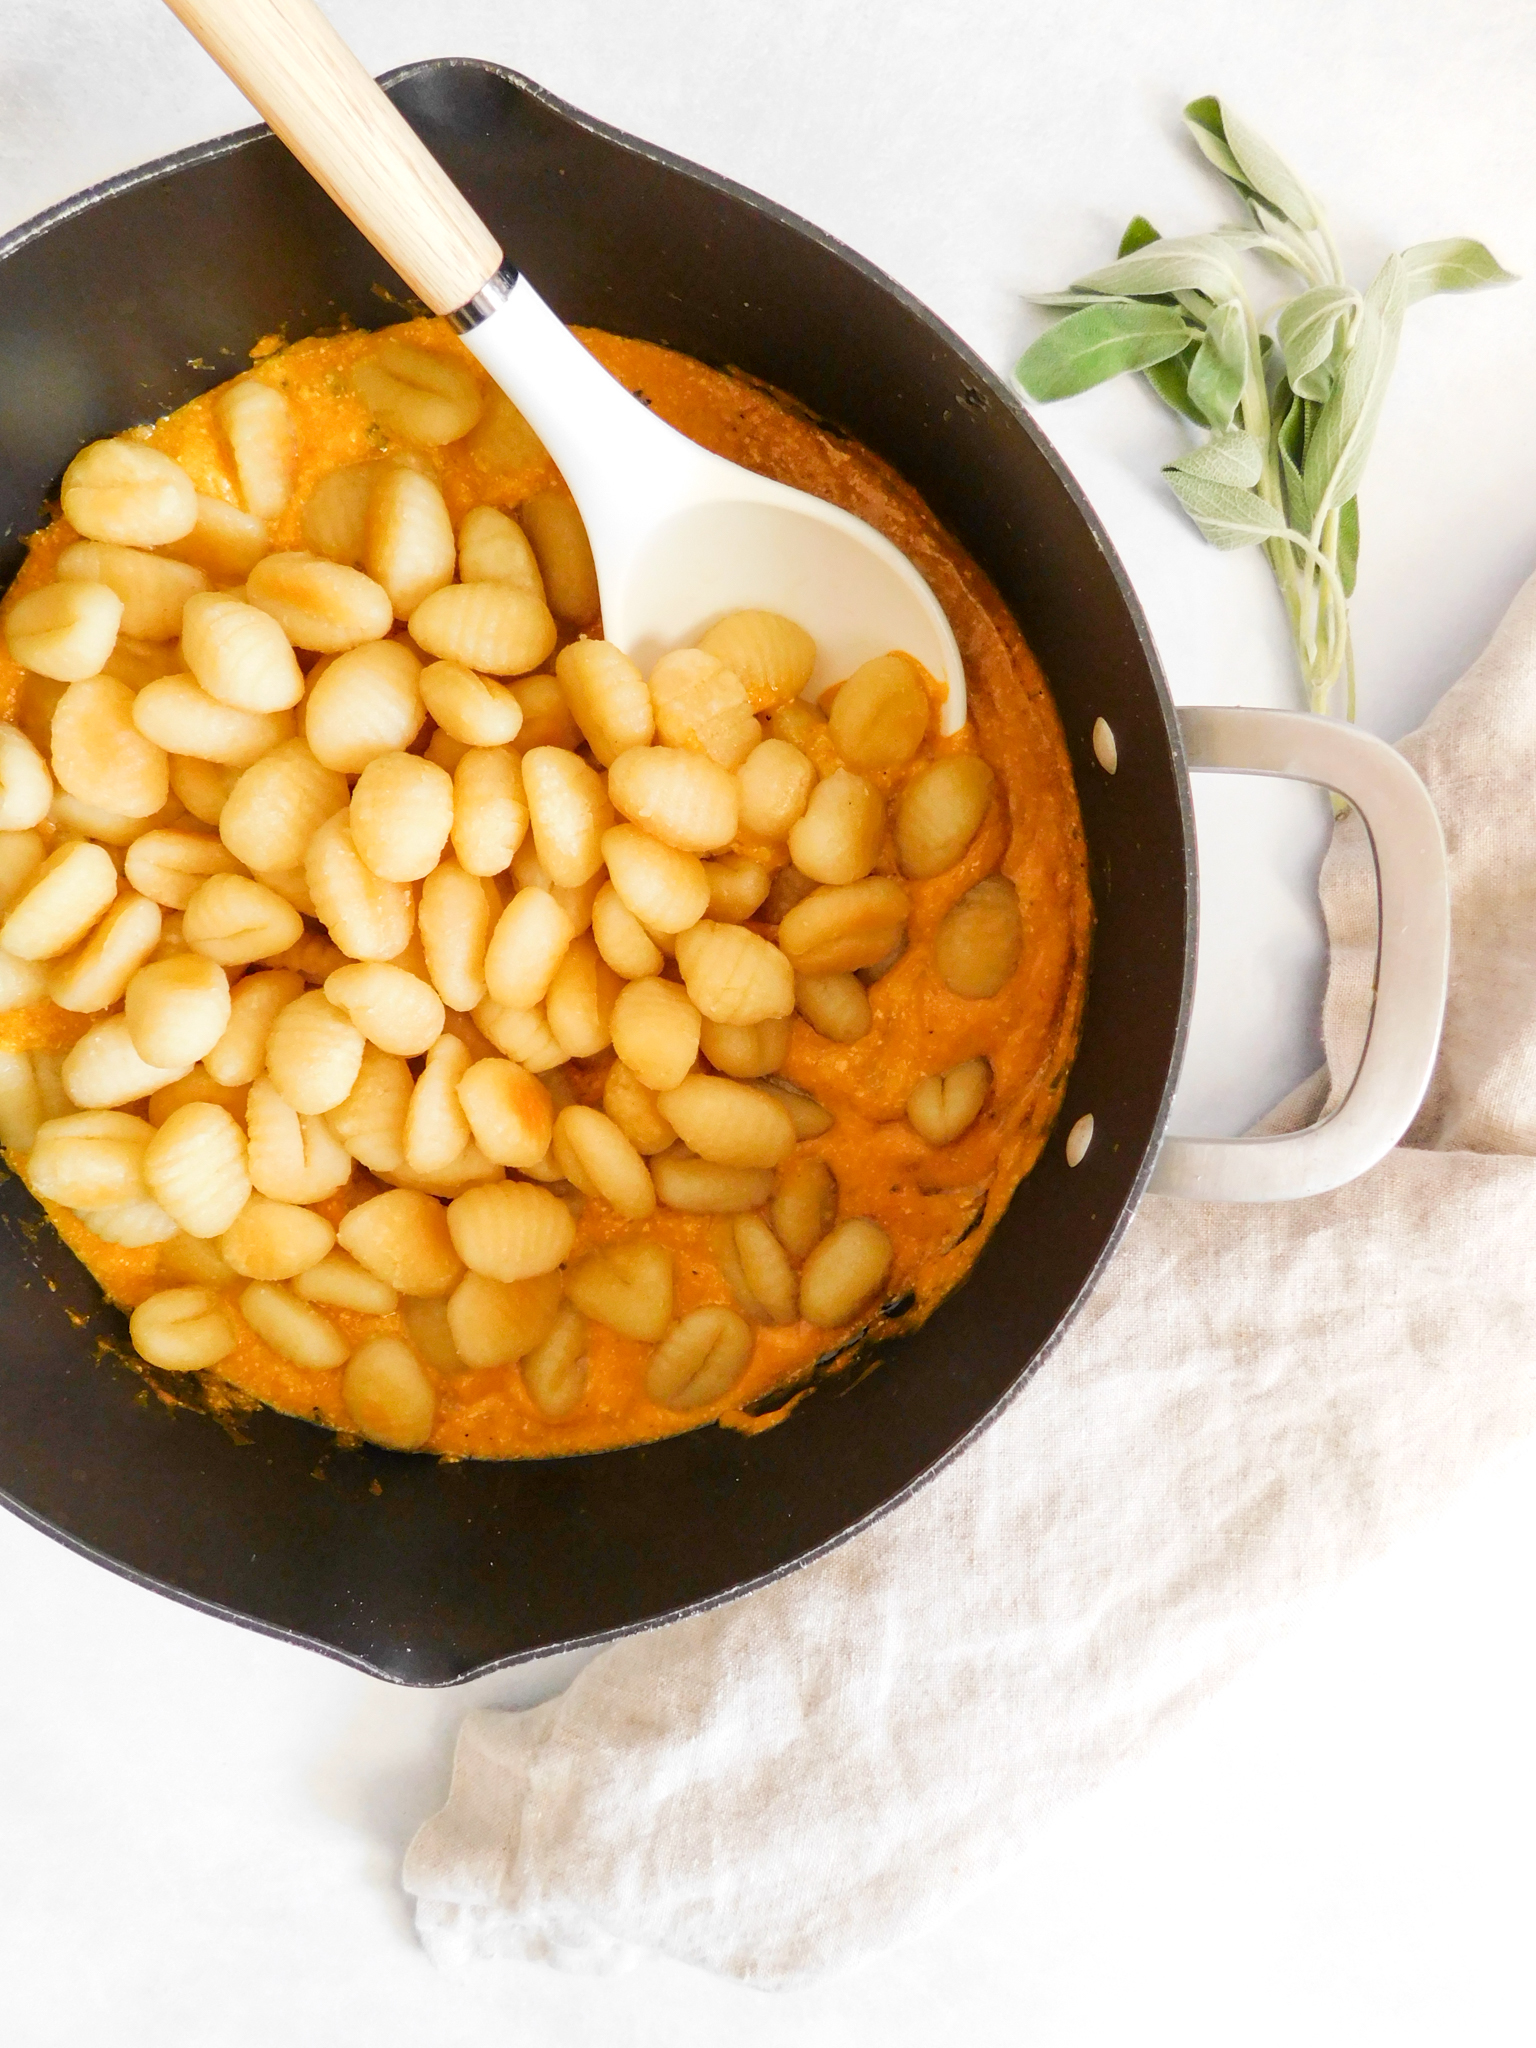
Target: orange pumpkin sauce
937	1205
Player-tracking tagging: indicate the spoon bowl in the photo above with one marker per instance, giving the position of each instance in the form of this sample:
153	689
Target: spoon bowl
855	594
681	536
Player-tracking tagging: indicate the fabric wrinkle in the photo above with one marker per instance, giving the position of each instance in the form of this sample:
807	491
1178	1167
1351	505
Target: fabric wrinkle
1253	1402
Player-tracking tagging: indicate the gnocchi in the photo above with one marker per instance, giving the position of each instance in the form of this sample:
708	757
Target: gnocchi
129	493
940	813
595	1156
97	973
401	815
804	1204
365	703
195	1168
170	865
393	1009
295	1328
182	1329
491	626
274	1240
628	1285
420	394
176	1010
225	542
681	798
837	838
497	1322
981	940
292	1156
757	1269
154	591
836	1005
389	1395
320	605
607	698
510	1113
453	922
880	713
942	1107
259	425
844	1272
276	806
239	654
556	1371
470	707
494	549
700	1359
519	1047
408	543
490	810
564	555
772	655
774	785
101	755
701	704
727	1122
26	787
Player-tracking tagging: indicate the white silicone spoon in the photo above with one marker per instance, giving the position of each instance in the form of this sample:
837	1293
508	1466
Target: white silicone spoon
679	536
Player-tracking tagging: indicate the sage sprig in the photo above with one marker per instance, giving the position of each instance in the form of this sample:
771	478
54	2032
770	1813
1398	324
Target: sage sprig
1288	400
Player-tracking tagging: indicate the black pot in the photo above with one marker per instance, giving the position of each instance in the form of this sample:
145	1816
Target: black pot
123	303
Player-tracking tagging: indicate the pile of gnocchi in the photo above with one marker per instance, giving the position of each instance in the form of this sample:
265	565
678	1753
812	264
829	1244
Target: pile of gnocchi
409	926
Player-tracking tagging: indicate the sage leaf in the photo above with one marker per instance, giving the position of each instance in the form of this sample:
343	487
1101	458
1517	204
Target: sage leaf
1230	456
1181	263
1138	233
1202	118
1288	418
1100	342
1066	300
1457	265
1272	370
1228	517
1306	329
1280	242
1284	243
1266	171
1221	367
1170	380
1338	445
1349	545
1291	442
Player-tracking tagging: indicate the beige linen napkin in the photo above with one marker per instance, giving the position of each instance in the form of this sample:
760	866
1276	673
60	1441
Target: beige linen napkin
1254	1401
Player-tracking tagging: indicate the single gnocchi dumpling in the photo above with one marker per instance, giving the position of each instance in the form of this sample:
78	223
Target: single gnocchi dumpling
418	393
128	493
772	655
259	424
65	631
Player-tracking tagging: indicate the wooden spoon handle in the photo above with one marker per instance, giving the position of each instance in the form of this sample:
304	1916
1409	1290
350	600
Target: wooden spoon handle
294	68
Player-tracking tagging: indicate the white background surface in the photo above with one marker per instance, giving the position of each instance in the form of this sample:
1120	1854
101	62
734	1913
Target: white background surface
200	1830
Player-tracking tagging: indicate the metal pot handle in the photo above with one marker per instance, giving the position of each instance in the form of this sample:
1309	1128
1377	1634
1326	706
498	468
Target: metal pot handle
1412	957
